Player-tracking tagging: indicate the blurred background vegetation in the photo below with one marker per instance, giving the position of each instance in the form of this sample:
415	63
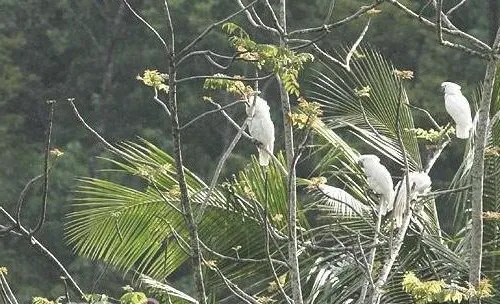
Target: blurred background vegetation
93	50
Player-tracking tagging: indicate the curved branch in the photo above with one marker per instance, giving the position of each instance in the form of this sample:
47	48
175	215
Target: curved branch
43	211
329	27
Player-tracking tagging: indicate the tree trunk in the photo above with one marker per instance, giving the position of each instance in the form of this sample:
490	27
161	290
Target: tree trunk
477	171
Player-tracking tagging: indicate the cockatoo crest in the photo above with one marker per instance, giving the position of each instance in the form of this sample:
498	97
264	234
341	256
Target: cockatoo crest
450	87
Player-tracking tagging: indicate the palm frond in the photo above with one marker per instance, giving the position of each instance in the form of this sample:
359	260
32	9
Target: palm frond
368	98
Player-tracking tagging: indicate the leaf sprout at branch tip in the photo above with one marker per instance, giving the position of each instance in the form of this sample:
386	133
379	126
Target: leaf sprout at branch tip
155	79
309	112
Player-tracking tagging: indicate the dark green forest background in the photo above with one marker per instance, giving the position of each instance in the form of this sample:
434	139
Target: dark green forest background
93	50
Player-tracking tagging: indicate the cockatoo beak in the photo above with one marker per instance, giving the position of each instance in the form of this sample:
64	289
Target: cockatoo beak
360	163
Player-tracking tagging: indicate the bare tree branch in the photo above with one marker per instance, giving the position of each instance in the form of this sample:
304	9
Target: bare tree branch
6	293
161	103
209	53
256	24
275	18
328	27
234	288
223	77
149	26
36	244
483	48
241	260
43	210
210	27
351	52
329	15
399	239
210	112
451	10
477	170
196	257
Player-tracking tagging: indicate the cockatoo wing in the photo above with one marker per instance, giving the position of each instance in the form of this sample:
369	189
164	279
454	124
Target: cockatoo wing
459	109
420	182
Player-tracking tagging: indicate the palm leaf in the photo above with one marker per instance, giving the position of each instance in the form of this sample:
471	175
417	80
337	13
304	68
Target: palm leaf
336	90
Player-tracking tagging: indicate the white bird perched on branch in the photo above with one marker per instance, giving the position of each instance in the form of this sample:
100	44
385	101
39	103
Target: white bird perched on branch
261	127
458	107
420	183
379	180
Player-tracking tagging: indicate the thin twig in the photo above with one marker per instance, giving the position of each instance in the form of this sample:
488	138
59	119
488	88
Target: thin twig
7	293
329	15
208	53
356	44
269	259
483	51
427	113
372	255
178	81
275	18
147	25
259	24
239	259
43	211
233	287
210	27
451	10
328	27
365	117
442	192
161	103
91	130
165	199
220	108
35	243
222	161
367	265
439	25
351	52
66	290
22	196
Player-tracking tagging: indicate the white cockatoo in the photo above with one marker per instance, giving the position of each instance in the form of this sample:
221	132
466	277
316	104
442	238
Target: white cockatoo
379	180
458	107
420	183
261	127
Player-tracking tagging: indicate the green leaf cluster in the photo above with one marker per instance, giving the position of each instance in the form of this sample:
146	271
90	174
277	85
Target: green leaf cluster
441	292
153	78
221	81
284	62
431	134
133	297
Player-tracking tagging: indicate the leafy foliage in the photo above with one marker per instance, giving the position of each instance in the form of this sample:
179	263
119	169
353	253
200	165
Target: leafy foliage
441	292
153	78
282	61
223	82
